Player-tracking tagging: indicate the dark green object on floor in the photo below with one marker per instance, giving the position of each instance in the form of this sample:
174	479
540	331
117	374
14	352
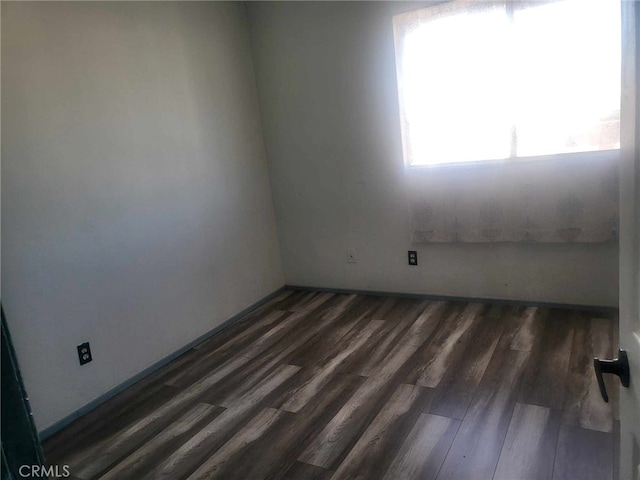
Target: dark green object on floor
20	442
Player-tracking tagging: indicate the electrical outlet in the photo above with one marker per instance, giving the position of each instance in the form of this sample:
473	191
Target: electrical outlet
413	257
84	353
351	256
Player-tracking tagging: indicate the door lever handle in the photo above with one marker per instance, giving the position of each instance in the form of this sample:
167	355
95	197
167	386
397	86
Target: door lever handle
618	366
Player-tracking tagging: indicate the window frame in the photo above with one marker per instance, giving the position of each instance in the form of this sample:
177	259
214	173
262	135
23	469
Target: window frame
405	20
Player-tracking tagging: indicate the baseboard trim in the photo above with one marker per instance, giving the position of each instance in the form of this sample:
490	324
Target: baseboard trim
60	424
498	301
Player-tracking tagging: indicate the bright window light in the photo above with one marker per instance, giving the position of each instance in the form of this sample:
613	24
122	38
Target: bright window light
484	81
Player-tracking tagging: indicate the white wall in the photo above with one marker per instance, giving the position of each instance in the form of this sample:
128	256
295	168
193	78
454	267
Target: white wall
327	88
136	213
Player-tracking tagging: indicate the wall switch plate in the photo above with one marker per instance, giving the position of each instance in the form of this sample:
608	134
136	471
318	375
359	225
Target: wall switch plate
84	353
413	257
351	256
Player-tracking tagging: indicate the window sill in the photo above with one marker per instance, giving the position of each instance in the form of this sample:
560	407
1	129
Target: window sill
558	157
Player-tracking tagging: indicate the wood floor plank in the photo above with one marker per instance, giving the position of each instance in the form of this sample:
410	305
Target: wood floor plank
309	301
583	454
320	376
95	457
376	448
281	445
254	316
583	405
548	367
399	317
423	451
364	361
213	467
334	439
210	361
327	352
163	444
514	318
281	328
250	331
293	298
319	348
281	297
187	458
207	358
530	445
106	420
281	352
437	355
385	305
304	471
463	375
416	336
532	325
476	448
358	410
361	313
344	305
164	373
301	298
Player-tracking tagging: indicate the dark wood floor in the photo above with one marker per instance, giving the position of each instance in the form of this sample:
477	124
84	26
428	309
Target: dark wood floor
319	386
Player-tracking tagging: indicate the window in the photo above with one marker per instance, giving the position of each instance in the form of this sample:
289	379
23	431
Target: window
502	80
